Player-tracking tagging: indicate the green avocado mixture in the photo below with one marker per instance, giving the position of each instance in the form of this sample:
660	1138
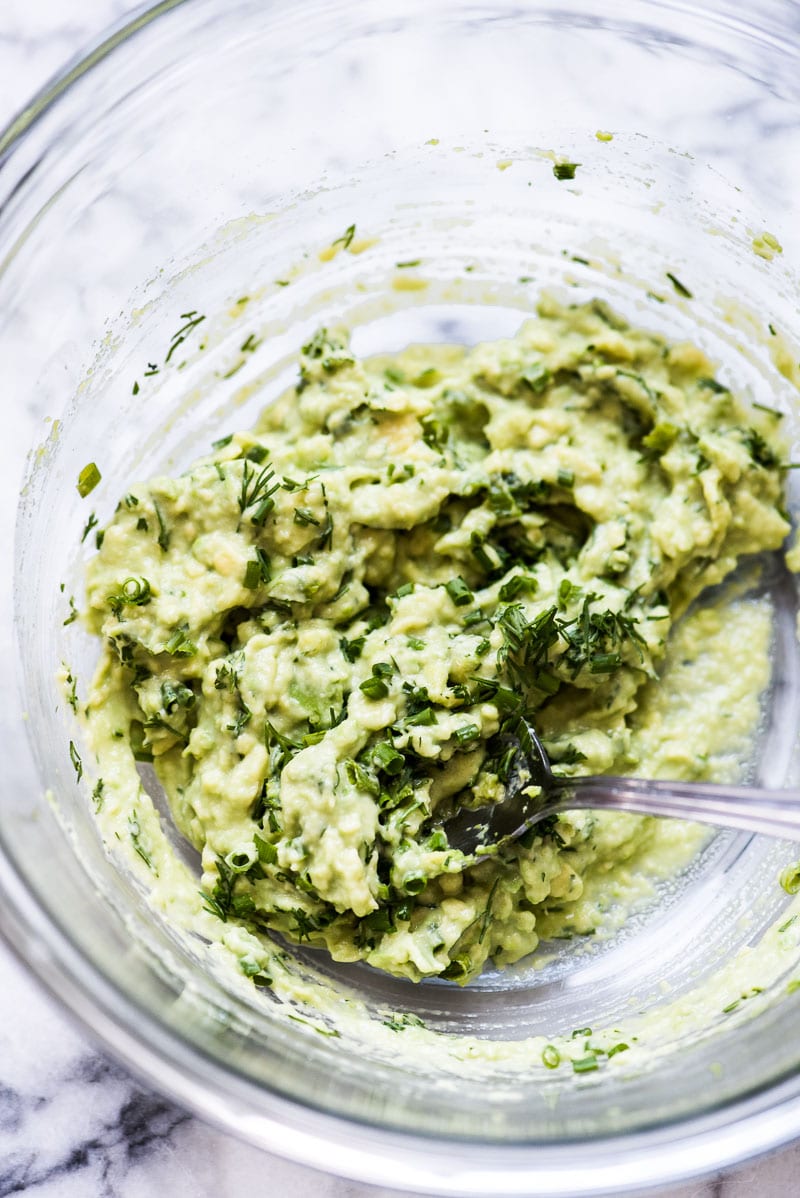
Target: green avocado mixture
319	633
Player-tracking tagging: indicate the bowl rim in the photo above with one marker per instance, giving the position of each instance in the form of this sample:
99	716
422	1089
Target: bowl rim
676	1152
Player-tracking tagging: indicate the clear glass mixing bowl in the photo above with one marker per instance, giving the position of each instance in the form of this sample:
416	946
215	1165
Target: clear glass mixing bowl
207	152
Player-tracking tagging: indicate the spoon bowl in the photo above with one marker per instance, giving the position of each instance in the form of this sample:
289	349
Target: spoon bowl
534	794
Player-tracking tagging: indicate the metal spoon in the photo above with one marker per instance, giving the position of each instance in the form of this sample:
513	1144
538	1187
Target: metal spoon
483	830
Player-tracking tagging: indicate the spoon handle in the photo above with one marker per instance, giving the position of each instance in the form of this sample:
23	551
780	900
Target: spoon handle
751	808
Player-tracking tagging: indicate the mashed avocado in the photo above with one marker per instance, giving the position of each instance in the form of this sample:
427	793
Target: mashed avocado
318	633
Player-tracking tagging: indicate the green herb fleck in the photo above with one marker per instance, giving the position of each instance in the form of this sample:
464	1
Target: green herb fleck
790	878
374	687
90	524
661	437
617	1048
74	757
135	832
179	644
134	592
347	237
139	747
257	571
679	286
352	649
466	734
163	534
72	683
73	612
551	1057
386	758
192	320
399	1022
459	592
303	516
219	901
88	479
536	376
257	491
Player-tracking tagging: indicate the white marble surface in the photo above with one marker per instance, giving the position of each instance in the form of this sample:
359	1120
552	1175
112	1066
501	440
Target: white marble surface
72	1123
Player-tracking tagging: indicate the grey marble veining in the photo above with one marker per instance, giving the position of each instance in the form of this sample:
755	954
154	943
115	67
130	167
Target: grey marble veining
72	1123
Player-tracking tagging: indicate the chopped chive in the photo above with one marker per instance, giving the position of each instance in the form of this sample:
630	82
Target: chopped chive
428	378
565	170
374	688
537	377
567	591
387	758
467	733
88	479
179	644
604	663
267	852
415	882
551	1057
679	286
257	571
517	584
586	1064
661	437
762	407
303	516
422	718
352	649
133	591
790	879
459	592
711	384
252	576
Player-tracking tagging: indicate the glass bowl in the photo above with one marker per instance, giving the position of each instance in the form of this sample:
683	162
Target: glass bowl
206	154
